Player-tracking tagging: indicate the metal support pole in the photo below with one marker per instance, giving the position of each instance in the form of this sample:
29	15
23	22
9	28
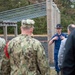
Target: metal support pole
5	32
49	28
15	30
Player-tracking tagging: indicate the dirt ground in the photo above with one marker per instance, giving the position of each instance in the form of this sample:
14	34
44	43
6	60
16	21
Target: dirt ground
52	71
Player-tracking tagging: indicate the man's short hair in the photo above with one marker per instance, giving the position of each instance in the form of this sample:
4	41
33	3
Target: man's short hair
71	27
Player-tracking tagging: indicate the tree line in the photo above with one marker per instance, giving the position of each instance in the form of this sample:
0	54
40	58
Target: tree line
67	14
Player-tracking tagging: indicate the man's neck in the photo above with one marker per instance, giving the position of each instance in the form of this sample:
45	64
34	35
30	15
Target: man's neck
59	33
26	33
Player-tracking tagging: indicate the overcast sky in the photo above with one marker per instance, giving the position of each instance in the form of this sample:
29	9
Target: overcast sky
72	0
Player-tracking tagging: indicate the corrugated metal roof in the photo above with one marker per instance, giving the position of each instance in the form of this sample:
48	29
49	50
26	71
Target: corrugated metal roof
30	11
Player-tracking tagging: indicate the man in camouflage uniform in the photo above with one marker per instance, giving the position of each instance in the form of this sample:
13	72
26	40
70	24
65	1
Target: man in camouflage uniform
26	54
2	45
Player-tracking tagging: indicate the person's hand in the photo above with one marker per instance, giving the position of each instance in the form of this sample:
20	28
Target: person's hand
62	37
55	38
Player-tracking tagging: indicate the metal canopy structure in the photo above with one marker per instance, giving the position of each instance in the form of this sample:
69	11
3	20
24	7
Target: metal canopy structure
5	26
30	11
11	17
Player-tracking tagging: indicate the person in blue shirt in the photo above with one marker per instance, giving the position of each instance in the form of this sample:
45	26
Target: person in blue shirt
56	39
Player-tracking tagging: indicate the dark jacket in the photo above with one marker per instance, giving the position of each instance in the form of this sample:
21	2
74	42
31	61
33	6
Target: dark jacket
68	66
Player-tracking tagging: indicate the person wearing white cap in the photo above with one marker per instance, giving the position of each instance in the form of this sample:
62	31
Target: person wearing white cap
26	54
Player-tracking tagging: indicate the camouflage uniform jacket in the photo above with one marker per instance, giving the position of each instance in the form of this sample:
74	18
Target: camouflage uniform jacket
2	45
27	56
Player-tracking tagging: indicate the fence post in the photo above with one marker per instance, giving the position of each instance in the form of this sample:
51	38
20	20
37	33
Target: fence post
49	28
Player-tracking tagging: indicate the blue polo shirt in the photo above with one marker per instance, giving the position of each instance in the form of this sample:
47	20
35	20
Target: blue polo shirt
57	42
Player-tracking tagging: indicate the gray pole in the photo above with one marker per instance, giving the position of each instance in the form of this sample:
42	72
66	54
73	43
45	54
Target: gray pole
49	27
5	32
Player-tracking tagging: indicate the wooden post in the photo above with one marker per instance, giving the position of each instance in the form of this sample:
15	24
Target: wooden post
59	17
49	28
